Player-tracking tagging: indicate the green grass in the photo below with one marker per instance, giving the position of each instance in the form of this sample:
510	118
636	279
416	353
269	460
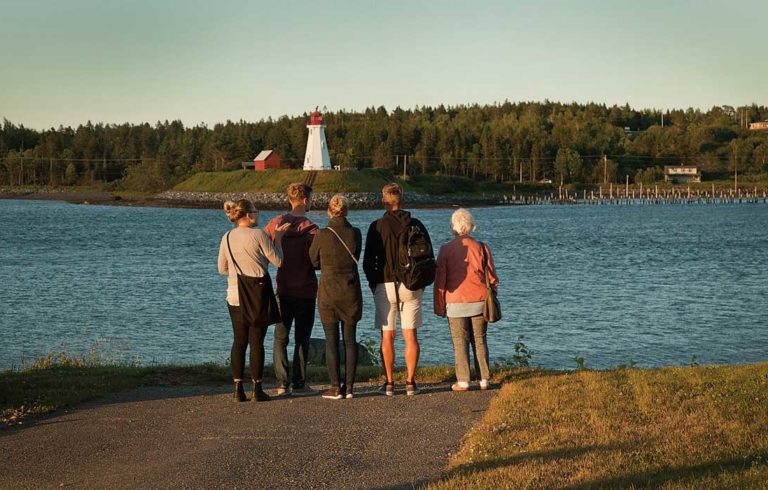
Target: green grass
367	180
700	427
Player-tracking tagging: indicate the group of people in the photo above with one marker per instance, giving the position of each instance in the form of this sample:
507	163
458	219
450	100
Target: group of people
396	276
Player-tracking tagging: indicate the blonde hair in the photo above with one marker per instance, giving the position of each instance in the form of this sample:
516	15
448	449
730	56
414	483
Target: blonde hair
298	191
236	210
462	222
337	206
392	193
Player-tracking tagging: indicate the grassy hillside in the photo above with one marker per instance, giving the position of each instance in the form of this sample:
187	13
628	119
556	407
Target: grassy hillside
366	180
702	427
277	181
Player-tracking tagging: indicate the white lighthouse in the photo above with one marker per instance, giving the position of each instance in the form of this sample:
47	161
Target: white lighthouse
316	157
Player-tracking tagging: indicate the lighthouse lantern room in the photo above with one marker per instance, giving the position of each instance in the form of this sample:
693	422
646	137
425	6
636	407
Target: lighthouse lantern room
316	157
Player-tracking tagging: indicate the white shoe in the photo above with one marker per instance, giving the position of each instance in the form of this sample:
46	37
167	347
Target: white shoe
484	384
283	391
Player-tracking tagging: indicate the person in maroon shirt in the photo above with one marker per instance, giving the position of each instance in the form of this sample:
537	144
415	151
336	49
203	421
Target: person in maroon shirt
296	291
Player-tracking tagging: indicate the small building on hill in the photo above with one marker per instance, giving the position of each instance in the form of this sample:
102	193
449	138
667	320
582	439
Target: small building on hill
266	159
758	126
681	174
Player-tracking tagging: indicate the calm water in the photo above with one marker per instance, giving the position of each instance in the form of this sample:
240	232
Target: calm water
613	284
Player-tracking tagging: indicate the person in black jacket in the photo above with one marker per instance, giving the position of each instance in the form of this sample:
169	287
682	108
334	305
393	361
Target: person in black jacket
335	251
379	262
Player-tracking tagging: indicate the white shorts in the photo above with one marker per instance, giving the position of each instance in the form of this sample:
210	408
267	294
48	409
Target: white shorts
387	308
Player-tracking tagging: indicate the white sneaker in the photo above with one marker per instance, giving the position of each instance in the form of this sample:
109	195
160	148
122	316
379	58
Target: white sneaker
283	391
484	384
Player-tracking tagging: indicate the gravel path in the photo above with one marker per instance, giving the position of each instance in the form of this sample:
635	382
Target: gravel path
196	437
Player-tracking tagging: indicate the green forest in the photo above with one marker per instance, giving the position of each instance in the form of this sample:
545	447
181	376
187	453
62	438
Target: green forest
504	142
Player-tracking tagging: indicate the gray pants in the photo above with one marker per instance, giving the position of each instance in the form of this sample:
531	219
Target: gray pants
463	332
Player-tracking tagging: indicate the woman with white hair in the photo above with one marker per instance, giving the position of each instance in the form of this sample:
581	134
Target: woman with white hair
460	293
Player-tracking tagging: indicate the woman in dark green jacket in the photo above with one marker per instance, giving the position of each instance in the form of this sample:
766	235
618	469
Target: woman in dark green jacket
336	251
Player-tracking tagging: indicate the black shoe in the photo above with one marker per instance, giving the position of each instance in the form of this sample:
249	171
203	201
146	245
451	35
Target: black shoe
411	388
388	388
258	393
239	395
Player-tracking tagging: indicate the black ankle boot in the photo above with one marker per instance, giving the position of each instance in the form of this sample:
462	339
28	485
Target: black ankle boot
239	395
258	393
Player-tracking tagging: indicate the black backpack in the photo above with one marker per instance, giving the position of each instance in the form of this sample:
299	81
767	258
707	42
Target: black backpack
415	267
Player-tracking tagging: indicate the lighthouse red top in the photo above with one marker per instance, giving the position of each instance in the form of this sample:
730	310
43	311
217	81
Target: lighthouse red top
315	119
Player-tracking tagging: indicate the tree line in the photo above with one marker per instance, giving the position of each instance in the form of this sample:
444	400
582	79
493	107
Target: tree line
521	142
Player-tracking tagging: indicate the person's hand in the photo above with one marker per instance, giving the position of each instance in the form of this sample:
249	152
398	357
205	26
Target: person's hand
280	231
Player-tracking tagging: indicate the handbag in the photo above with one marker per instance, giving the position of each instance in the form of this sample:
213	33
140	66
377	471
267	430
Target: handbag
258	305
492	307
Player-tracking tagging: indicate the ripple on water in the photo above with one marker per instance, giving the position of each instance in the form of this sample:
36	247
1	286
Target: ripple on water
613	284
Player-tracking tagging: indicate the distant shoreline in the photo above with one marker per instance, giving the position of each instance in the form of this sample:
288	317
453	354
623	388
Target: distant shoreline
214	200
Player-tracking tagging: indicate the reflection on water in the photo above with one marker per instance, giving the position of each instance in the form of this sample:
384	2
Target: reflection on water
613	284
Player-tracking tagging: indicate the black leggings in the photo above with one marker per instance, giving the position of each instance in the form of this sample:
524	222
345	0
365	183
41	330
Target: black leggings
243	337
332	351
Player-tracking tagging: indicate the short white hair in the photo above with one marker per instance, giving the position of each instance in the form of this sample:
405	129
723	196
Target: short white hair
462	222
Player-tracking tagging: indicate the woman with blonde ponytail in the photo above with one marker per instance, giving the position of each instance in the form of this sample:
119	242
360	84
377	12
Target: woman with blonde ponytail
244	256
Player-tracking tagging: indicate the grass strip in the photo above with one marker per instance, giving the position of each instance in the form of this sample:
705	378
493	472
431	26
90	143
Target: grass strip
698	427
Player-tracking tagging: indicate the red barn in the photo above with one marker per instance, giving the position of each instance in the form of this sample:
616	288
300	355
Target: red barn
266	159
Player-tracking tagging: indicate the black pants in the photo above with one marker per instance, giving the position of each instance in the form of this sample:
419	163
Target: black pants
243	337
332	352
302	311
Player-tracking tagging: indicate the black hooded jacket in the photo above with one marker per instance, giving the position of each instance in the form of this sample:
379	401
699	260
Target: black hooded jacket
380	255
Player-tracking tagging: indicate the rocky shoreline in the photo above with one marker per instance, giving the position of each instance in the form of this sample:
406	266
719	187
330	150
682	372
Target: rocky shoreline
213	200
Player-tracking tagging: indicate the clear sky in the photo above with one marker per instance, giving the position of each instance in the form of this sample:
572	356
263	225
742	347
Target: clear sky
70	61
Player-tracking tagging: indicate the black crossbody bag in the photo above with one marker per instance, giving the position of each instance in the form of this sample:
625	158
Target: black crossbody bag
258	305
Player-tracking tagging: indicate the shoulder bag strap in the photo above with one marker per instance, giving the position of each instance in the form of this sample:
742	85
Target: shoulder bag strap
239	271
485	265
345	245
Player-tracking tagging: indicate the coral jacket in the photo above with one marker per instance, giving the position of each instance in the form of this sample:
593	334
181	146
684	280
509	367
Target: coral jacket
460	274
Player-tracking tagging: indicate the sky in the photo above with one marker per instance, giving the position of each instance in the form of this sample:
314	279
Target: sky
67	62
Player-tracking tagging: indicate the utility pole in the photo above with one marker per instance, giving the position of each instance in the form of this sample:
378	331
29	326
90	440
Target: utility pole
405	166
736	170
662	119
21	172
605	168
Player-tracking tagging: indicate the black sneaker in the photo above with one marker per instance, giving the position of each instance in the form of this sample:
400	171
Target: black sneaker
332	393
303	390
411	388
388	388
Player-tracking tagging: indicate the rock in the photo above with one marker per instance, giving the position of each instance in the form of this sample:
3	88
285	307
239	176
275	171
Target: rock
316	354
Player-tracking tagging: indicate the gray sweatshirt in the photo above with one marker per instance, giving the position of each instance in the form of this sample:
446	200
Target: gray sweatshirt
253	251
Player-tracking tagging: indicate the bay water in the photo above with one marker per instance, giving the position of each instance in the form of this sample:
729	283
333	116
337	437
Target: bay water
638	285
